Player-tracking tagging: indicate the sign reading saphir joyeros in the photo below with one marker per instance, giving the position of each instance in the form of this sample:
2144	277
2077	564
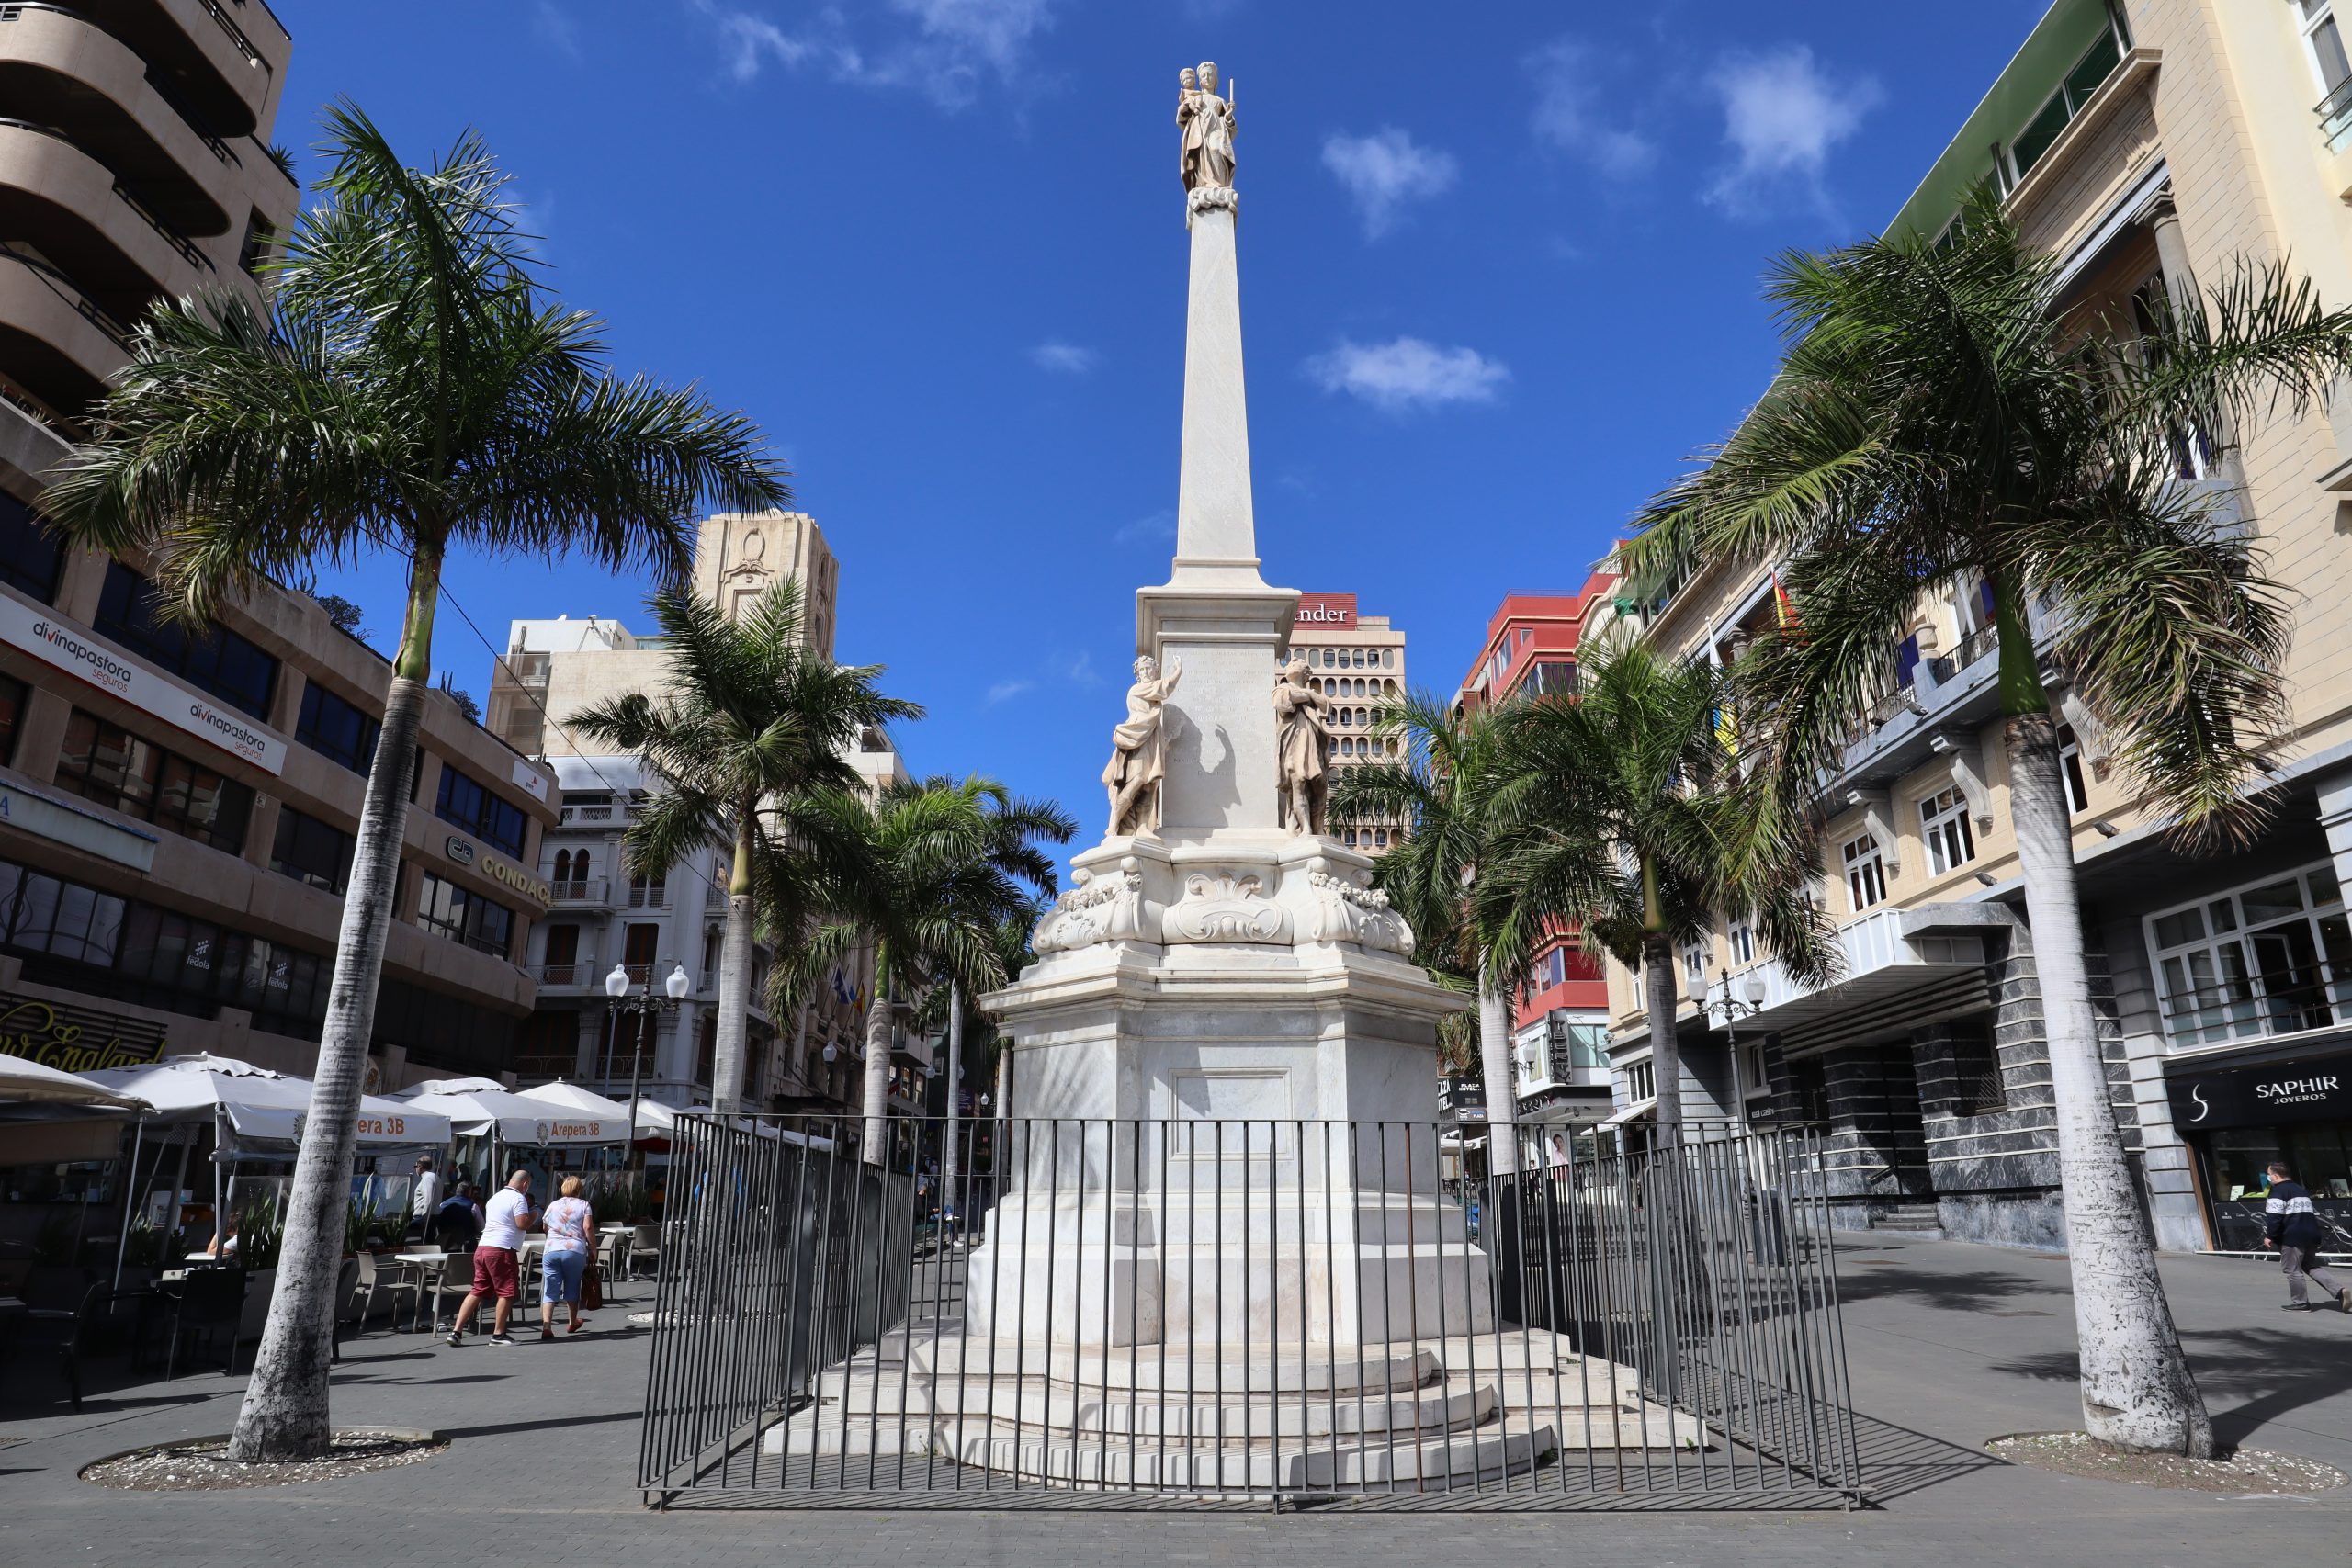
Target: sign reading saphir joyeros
76	1040
499	870
2314	1090
82	656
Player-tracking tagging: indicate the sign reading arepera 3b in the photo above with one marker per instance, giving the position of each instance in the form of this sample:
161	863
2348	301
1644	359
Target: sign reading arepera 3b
82	656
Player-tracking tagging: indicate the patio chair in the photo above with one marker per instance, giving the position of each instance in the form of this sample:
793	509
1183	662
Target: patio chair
71	1330
645	1242
611	1258
345	1280
210	1300
451	1281
376	1275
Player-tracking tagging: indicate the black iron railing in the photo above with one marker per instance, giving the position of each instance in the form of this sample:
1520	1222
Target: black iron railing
1241	1312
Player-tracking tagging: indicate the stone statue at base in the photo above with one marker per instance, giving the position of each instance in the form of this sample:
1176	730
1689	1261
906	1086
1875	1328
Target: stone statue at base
1301	734
1139	751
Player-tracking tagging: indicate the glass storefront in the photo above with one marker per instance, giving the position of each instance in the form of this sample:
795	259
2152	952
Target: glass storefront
2237	1120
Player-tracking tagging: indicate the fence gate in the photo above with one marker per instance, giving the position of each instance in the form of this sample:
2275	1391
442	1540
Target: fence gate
1215	1314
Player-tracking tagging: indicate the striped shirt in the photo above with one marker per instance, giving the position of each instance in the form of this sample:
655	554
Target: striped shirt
2288	1218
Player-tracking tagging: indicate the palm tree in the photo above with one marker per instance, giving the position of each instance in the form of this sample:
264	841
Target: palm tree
927	895
1622	812
1444	789
1936	423
410	387
754	729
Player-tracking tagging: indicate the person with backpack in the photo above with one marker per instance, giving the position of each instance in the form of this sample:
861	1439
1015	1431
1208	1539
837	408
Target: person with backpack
2291	1225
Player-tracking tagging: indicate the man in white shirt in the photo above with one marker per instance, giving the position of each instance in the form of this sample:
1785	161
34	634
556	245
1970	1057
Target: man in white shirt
424	1196
505	1219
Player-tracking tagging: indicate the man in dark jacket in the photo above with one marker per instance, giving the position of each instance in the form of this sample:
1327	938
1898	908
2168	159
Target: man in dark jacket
2292	1226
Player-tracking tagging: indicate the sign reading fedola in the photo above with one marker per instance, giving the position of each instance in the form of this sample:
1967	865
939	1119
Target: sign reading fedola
76	1040
80	655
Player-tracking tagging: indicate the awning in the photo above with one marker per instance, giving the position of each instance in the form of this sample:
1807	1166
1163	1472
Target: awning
27	1082
478	1106
262	1105
1636	1112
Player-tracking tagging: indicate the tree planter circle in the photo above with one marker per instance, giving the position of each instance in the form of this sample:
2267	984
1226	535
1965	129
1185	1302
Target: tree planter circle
2244	1472
199	1464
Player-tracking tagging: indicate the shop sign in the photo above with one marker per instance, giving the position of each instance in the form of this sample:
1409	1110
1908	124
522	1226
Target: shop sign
2311	1090
55	819
536	889
1326	612
81	655
76	1040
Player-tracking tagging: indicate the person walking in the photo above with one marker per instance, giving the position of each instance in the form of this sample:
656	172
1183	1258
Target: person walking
571	1251
457	1224
2291	1225
424	1196
504	1223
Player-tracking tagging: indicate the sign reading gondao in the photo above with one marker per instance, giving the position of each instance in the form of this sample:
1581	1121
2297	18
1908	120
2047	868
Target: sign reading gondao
79	654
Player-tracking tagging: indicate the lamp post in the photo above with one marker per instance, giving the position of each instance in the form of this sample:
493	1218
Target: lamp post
619	1001
1753	991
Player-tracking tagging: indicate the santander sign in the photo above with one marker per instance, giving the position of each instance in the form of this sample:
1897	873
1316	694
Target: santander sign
1326	612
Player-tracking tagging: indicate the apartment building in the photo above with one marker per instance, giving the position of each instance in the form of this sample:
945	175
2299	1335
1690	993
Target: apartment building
2148	145
1359	663
601	915
1559	1014
177	807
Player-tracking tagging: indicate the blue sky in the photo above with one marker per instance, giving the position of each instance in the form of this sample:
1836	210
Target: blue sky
1498	277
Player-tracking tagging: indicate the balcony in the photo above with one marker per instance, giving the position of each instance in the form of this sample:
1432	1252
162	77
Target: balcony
89	223
1903	969
58	344
578	973
642	895
583	815
579	890
2256	1006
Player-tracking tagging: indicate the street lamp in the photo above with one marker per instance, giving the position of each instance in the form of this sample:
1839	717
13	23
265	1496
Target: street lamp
617	1000
1753	991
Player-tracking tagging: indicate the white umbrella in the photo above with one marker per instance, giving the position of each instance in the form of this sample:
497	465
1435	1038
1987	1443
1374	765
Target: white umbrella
25	1082
477	1106
261	1106
571	1097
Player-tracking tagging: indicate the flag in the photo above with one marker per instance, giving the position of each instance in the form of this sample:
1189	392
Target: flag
1786	611
841	993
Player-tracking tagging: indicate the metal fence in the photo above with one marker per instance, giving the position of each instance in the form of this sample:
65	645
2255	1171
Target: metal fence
1116	1312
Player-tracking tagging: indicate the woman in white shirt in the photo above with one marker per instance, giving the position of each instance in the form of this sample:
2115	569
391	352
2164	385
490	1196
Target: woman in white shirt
572	1243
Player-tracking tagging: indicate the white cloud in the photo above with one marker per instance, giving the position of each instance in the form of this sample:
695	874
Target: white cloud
557	29
1386	171
1408	374
1064	358
1005	690
1781	117
1158	526
1571	118
1077	669
946	50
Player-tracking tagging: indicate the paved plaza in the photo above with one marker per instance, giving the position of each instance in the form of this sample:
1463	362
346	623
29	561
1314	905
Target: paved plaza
1950	1345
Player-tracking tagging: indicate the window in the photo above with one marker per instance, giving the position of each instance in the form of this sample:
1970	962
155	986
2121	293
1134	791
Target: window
216	660
463	802
563	965
80	939
1944	818
649	892
2043	131
336	729
1743	943
2331	66
1694	965
1809	1082
1641	1082
1865	873
30	559
2271	959
1551	678
13	696
311	852
1977	1089
108	765
1907	663
2070	768
448	910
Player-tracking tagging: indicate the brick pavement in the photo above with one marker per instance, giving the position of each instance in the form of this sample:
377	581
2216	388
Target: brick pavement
1950	1344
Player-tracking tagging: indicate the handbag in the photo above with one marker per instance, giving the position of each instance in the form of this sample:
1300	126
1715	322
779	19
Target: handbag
591	1287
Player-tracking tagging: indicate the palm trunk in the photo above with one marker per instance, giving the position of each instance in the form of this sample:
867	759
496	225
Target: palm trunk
1502	1083
734	974
878	1061
285	1414
948	1160
1666	1050
2137	1389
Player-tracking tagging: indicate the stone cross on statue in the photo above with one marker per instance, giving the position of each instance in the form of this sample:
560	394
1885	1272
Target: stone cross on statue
1206	122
